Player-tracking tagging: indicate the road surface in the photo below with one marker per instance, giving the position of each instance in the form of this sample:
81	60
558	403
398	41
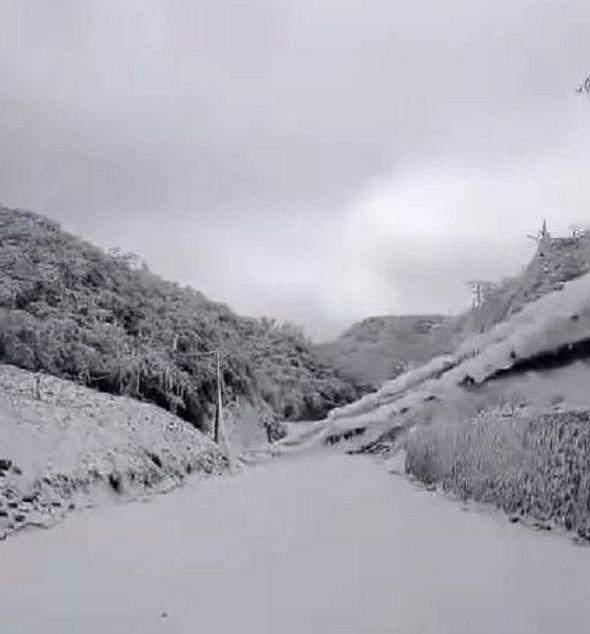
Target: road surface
323	544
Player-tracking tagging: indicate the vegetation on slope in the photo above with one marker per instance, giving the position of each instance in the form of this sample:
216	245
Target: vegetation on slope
536	465
380	348
556	261
73	311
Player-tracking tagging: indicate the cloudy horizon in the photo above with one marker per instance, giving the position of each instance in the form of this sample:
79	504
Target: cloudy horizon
316	161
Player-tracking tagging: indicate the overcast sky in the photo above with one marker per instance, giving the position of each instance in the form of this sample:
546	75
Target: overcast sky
314	160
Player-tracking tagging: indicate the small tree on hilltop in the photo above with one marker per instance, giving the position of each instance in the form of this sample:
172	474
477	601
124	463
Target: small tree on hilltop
480	290
584	87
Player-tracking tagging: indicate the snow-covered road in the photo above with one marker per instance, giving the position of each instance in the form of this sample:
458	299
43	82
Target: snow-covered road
324	544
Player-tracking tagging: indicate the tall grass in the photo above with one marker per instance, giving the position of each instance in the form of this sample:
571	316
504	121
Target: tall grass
537	466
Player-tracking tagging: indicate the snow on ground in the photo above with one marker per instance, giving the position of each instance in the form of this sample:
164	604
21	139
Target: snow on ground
324	544
75	446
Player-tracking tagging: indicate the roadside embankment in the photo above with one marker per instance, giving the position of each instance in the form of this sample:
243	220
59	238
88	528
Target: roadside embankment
64	446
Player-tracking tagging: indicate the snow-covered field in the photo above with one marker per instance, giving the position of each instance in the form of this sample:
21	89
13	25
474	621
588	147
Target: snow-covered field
325	544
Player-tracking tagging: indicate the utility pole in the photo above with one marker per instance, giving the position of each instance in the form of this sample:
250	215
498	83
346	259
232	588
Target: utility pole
218	427
542	236
219	408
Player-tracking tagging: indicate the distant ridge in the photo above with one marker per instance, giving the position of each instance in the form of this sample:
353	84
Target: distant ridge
380	348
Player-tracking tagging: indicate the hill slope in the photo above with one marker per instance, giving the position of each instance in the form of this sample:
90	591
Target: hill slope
73	311
555	262
380	348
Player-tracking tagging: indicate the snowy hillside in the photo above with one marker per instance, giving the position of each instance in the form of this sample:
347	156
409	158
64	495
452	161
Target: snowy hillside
550	333
75	447
104	320
557	260
381	348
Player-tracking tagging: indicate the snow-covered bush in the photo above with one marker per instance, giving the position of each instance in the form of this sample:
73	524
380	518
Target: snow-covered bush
536	465
71	310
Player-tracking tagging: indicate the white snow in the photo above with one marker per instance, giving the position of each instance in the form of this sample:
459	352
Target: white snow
74	429
66	446
324	544
432	392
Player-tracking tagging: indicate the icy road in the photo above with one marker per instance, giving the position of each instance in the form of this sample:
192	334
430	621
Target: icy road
317	545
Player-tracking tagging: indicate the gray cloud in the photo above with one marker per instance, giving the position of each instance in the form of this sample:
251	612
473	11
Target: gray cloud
276	154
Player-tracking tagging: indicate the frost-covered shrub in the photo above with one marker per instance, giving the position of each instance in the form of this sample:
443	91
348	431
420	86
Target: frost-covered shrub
537	466
73	311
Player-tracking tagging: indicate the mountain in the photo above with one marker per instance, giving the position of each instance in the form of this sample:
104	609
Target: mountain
380	348
104	320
